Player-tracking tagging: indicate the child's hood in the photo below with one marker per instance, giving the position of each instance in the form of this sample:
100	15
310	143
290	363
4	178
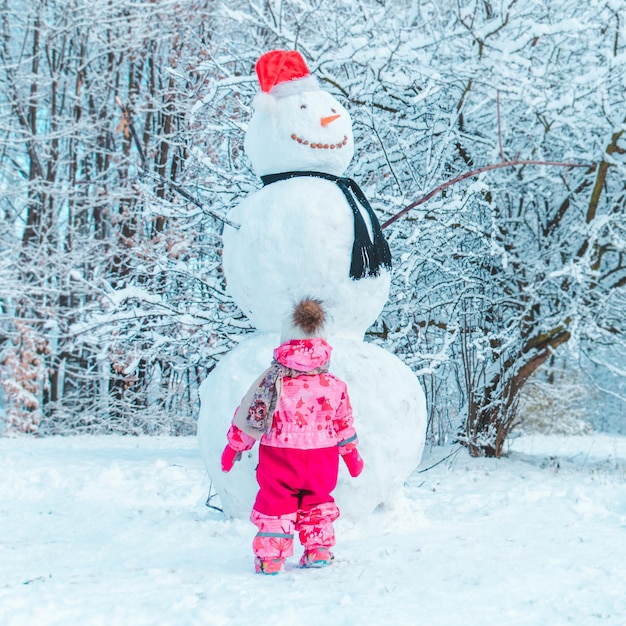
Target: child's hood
303	354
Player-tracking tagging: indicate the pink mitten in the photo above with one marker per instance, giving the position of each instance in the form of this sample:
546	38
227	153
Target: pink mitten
353	462
229	456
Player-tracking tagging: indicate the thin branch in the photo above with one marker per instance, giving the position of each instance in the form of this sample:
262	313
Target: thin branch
499	127
445	458
187	196
473	173
485	168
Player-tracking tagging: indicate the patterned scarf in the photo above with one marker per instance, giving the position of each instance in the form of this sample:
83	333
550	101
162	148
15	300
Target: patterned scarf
256	411
367	256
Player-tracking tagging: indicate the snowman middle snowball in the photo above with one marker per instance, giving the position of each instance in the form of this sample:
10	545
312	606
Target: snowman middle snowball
296	235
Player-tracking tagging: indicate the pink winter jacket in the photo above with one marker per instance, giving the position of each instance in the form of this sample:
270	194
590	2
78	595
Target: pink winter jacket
313	410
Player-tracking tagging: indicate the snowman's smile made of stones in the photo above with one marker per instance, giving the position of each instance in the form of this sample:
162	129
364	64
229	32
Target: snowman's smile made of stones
322	144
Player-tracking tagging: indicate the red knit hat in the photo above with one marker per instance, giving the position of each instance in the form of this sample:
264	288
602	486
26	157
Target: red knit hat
282	72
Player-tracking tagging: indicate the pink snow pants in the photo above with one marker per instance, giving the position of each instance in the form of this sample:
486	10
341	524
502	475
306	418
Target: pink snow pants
295	487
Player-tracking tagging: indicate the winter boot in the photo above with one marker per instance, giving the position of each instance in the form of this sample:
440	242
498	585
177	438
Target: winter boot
316	557
269	567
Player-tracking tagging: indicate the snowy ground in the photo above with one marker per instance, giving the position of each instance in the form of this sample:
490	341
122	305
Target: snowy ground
114	531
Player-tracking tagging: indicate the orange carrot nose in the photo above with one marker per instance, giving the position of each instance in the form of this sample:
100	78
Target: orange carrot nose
325	121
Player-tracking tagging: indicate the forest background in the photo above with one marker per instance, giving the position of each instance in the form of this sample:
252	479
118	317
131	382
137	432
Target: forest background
508	293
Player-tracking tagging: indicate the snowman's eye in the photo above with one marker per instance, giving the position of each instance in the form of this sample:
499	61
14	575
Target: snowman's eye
303	106
333	111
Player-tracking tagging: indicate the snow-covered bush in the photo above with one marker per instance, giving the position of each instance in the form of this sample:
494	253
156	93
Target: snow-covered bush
556	401
23	378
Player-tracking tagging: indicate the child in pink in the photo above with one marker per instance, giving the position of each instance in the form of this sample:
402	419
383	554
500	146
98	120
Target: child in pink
301	413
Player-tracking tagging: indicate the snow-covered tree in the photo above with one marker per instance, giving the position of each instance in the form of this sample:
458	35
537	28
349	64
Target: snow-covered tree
88	241
505	270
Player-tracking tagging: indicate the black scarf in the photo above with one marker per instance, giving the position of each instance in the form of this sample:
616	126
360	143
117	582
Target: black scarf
367	256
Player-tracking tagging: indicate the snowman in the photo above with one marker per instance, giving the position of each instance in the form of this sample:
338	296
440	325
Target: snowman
310	232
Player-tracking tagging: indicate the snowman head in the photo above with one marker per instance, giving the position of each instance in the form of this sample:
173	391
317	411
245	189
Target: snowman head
296	126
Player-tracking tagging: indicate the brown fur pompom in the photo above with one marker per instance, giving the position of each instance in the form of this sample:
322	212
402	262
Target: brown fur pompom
309	316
